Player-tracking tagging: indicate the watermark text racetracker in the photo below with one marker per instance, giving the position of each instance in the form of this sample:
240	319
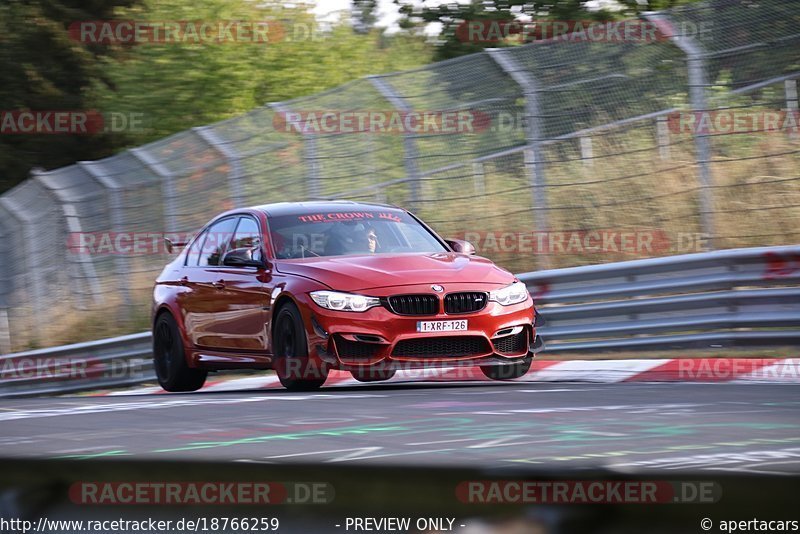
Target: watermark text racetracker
200	493
575	31
715	369
599	241
193	32
721	122
23	368
371	121
69	122
587	492
637	241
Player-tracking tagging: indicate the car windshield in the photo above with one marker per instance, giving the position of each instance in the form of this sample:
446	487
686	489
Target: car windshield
341	233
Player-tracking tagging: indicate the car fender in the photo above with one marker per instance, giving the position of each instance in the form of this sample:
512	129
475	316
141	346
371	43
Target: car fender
297	290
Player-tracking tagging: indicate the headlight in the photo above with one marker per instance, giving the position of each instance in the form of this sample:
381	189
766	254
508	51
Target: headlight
513	294
333	300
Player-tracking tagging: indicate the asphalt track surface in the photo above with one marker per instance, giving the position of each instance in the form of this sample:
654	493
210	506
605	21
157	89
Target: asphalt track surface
746	428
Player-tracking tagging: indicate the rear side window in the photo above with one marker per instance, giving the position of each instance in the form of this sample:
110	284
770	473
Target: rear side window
216	242
194	251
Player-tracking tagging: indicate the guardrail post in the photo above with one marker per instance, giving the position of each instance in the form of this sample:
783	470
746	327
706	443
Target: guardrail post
235	174
411	154
118	226
167	187
310	154
534	157
695	57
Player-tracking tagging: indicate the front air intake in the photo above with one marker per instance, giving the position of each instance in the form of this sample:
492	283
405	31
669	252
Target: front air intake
442	347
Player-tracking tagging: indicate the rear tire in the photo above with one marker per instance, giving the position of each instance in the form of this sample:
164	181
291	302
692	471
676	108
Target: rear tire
296	370
169	358
373	375
509	371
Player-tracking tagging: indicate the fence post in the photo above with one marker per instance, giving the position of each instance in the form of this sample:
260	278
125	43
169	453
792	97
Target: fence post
587	151
235	175
478	178
167	187
310	154
73	226
32	256
6	279
791	94
380	192
662	137
411	154
8	265
118	226
698	82
791	101
5	332
534	157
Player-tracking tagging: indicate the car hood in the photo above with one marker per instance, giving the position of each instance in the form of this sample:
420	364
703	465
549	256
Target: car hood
355	273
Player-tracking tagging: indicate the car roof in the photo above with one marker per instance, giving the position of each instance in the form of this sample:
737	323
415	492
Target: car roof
299	208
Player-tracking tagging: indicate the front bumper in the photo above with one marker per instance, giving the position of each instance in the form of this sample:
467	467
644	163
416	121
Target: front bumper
378	337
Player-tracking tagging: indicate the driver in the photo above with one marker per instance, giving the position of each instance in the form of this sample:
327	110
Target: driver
365	240
348	238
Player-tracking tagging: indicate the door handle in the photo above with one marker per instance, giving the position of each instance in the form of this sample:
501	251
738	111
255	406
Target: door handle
219	284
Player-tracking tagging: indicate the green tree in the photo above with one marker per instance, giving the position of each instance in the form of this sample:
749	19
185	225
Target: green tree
170	86
364	16
454	40
42	68
176	86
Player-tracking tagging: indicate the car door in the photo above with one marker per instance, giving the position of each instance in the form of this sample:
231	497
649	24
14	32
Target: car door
202	304
243	294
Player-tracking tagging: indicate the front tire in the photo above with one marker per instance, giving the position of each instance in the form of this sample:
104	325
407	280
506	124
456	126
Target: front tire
169	358
296	370
509	371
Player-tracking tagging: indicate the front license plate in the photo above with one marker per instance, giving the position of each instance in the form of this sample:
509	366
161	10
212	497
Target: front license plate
442	326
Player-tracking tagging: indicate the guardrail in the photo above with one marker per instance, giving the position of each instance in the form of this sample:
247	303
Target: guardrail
106	363
712	299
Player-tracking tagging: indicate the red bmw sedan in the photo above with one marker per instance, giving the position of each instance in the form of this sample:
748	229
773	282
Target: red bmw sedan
303	288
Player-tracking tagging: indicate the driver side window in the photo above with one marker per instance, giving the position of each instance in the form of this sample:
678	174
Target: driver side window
247	237
247	234
216	241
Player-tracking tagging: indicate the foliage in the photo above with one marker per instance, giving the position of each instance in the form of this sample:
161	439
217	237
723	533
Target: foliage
167	87
41	68
452	16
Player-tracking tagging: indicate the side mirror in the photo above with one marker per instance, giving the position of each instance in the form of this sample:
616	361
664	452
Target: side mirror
459	245
244	257
173	244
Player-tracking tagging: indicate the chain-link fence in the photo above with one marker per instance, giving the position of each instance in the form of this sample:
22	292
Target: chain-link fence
572	151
